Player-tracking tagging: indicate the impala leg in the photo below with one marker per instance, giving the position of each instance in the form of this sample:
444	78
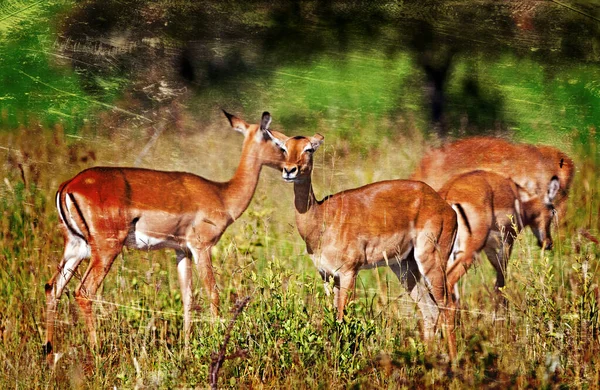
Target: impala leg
100	263
449	314
343	285
184	272
428	308
75	251
473	231
446	298
407	271
498	256
325	276
462	262
447	305
203	261
431	263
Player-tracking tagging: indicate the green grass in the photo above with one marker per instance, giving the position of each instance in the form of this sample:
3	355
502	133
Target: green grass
38	84
549	335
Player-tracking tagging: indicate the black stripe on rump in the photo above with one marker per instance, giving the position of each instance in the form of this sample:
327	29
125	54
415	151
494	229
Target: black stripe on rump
80	214
464	217
63	217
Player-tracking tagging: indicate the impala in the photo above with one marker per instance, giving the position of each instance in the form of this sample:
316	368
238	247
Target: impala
533	168
104	209
490	214
399	223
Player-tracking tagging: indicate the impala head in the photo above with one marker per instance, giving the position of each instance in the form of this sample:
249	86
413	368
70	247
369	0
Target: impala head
538	213
298	152
563	170
260	138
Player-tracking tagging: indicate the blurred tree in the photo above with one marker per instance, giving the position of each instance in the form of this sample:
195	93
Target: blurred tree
164	46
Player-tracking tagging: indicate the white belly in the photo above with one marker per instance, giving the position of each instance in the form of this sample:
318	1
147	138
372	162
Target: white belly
143	241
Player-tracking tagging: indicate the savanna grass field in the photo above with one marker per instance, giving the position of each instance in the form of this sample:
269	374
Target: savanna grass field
102	83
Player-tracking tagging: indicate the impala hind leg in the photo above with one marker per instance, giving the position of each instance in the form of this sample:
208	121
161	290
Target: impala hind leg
203	261
465	254
101	261
407	271
473	230
76	249
463	260
184	273
431	260
498	253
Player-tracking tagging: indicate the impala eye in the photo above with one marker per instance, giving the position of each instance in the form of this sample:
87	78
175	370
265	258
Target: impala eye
309	150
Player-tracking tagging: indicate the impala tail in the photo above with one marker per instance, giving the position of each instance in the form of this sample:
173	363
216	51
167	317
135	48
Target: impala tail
77	232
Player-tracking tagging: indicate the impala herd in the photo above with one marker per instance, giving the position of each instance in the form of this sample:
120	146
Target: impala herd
487	190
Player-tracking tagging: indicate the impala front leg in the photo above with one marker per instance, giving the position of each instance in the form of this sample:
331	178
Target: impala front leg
325	276
184	272
202	258
344	282
498	252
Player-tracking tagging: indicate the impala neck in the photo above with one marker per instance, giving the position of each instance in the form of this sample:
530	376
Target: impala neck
308	212
240	189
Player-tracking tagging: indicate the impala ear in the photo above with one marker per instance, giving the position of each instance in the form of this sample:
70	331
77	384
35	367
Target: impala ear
236	123
265	122
280	144
316	141
553	188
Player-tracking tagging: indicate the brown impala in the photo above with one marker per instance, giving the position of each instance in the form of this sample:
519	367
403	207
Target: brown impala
104	209
490	215
532	167
399	223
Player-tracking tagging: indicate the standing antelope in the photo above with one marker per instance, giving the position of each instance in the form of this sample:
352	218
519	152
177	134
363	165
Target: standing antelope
104	209
533	168
490	215
403	224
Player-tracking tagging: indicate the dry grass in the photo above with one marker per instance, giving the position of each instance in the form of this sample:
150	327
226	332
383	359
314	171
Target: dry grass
548	337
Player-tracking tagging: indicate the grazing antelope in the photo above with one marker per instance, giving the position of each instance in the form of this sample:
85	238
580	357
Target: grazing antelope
490	214
531	167
104	209
399	223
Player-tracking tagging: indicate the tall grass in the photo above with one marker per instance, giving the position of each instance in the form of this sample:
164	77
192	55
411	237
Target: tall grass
548	336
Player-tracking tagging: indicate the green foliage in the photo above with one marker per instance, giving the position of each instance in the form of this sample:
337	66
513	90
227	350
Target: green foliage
542	107
484	95
37	87
14	12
